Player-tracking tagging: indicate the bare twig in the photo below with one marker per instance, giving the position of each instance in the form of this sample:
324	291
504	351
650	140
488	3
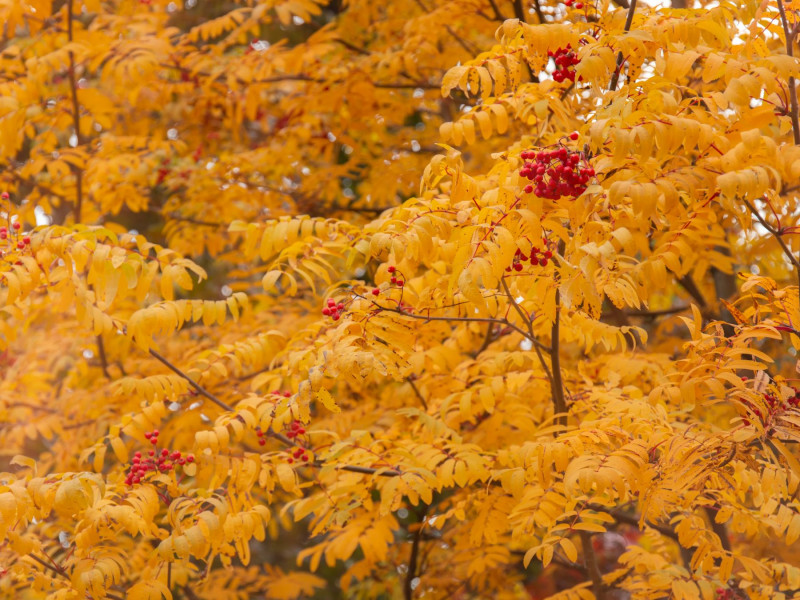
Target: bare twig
76	115
620	58
790	36
777	235
408	590
417	392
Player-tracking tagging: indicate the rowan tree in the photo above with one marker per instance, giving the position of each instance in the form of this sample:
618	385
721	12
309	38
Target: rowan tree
468	299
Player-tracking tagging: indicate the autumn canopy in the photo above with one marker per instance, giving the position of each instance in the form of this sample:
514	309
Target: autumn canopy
402	299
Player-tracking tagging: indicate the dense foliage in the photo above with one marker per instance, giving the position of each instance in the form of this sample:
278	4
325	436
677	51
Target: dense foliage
399	299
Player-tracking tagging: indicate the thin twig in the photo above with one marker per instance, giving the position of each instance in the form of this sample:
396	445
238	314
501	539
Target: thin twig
790	35
76	115
270	432
417	392
620	58
777	235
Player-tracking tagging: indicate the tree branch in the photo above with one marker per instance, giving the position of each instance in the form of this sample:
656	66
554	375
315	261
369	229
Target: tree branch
592	568
790	35
777	235
620	58
76	115
408	590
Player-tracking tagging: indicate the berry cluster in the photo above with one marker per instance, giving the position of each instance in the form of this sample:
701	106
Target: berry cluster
538	258
774	405
333	309
578	5
395	280
565	60
18	240
729	594
155	461
296	429
557	173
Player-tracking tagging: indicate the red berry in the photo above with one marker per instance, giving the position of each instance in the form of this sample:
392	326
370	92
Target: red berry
543	262
400	283
137	454
4	195
393	280
164	452
26	240
331	302
147	435
17	225
573	135
155	432
20	245
326	312
391	269
336	317
190	458
262	442
153	441
151	452
305	458
301	431
518	266
290	460
579	5
528	189
375	292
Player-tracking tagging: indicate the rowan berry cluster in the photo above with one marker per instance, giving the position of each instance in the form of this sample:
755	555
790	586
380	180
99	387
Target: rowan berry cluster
396	277
333	309
18	240
296	429
537	258
729	594
556	173
774	405
162	461
565	60
578	5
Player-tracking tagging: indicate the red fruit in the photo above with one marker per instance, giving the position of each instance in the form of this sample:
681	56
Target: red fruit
164	452
391	269
579	5
137	454
153	441
155	432
151	452
175	455
393	280
20	245
518	266
305	458
548	254
375	292
326	312
190	458
147	435
262	442
301	431
331	302
543	262
567	2
400	283
336	317
573	135
291	435
4	195
528	189
17	225
290	460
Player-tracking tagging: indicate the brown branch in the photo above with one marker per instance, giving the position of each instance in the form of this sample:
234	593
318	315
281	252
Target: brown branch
719	528
496	10
559	404
519	10
592	568
790	35
687	283
777	235
408	591
620	58
417	392
76	115
530	335
505	322
270	432
101	351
